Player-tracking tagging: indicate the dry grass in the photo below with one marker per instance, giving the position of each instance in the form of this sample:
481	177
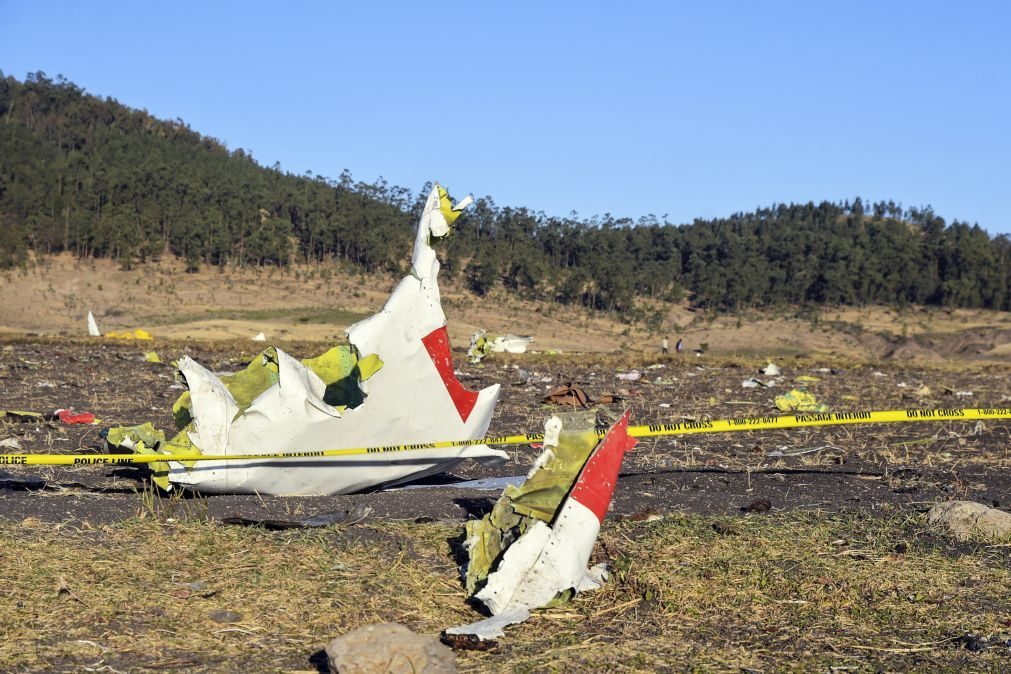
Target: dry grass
785	592
55	294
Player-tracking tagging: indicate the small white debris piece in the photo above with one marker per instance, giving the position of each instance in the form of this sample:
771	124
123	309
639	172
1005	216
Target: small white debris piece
493	627
963	394
772	370
10	443
93	330
510	344
259	337
543	459
552	429
598	574
634	375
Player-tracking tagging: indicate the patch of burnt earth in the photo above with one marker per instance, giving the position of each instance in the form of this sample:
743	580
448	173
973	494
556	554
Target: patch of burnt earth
868	468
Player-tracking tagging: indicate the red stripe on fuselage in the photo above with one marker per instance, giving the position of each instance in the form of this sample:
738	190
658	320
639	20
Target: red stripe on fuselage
599	476
437	344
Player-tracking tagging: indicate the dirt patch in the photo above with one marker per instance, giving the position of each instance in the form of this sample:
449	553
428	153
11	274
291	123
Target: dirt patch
317	303
832	469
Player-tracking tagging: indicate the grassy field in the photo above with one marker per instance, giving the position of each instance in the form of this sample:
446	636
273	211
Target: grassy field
787	592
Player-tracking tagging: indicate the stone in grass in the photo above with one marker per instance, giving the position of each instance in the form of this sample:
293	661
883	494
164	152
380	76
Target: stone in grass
390	647
225	616
967	520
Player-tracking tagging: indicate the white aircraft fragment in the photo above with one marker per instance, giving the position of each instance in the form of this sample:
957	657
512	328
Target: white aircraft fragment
93	330
411	396
259	337
481	344
549	559
510	343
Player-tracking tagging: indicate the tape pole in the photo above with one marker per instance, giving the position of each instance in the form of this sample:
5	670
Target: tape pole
734	425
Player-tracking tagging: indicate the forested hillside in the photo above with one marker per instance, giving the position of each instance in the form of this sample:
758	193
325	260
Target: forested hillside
91	176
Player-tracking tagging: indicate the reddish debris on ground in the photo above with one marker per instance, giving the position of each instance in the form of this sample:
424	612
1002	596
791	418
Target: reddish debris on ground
71	417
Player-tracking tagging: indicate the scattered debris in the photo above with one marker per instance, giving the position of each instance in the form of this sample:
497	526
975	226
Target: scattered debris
389	647
68	416
781	452
557	512
634	375
93	330
481	344
394	384
963	394
129	334
482	484
259	337
10	443
967	520
569	395
799	401
611	398
771	370
152	357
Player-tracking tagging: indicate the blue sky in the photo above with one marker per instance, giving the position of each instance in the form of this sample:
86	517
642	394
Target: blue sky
684	109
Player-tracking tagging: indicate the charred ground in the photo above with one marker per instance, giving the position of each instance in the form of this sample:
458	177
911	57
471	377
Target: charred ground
863	467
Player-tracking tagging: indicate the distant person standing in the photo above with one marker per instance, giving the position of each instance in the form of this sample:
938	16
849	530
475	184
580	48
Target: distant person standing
664	344
679	346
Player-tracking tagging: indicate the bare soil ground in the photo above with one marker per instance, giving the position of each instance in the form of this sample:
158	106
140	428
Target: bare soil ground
105	574
53	295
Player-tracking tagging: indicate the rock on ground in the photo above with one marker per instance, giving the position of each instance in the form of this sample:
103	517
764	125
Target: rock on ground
967	519
390	647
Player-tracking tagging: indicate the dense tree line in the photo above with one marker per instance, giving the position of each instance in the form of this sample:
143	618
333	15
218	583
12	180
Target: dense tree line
91	176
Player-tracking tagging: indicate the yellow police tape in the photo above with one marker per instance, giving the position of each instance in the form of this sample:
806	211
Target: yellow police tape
650	431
